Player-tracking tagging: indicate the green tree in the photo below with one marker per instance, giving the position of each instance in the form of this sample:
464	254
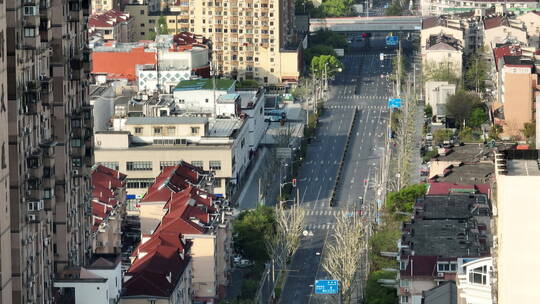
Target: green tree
378	294
385	239
478	117
318	50
428	111
466	134
395	9
248	83
322	63
250	231
440	135
162	26
440	72
336	8
306	7
476	72
495	132
328	38
529	131
403	200
460	106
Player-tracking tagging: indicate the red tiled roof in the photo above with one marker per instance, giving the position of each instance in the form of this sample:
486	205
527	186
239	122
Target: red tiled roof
104	183
172	179
424	266
444	188
155	274
121	65
495	21
507	50
107	19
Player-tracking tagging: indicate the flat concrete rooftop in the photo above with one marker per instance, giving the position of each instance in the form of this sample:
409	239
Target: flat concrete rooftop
524	167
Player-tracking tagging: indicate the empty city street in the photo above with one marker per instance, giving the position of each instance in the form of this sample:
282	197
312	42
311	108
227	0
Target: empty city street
360	88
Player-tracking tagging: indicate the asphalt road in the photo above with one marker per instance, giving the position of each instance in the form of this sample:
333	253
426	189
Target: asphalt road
360	87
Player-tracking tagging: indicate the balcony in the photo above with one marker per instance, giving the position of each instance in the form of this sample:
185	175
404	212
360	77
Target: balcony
85	5
46	85
86	59
76	147
74	11
30	103
31	40
34	163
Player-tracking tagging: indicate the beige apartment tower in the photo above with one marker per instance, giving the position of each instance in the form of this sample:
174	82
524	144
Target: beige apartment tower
251	39
5	235
50	143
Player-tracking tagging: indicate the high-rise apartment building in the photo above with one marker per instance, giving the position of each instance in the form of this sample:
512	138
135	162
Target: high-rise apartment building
5	235
253	39
50	143
516	211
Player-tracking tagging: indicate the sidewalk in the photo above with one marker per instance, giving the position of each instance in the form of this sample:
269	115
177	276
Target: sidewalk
249	195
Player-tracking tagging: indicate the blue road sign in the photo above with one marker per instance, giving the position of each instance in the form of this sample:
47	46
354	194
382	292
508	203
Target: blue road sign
392	40
326	286
394	103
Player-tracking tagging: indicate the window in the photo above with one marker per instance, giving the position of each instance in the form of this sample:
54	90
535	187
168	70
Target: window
197	163
30	10
163	164
76	142
404	299
478	275
206	100
76	162
195	130
139	183
217	182
215	165
48	193
171	130
157	130
138	130
29	32
139	166
110	165
142	12
447	267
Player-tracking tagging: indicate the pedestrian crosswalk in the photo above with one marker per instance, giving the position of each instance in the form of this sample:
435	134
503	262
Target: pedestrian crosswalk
323	212
359	107
324	226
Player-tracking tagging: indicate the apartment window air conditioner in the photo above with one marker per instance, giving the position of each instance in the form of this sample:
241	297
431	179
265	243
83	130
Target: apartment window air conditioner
75	172
440	275
31	217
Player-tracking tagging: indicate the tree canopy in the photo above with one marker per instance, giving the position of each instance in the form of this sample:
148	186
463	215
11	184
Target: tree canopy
336	8
377	294
529	131
440	72
403	200
478	117
460	106
440	135
162	26
318	50
328	38
250	230
322	63
476	72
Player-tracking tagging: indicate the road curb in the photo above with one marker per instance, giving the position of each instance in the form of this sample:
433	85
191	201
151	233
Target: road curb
349	133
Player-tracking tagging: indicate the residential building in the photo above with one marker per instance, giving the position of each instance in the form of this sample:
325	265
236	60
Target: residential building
100	6
516	90
6	280
108	209
199	217
501	30
433	7
517	177
111	25
437	93
202	95
465	28
474	281
171	59
531	20
224	144
146	20
446	293
98	283
51	150
443	52
443	229
249	40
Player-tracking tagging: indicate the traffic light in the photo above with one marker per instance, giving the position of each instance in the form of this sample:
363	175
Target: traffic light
294	182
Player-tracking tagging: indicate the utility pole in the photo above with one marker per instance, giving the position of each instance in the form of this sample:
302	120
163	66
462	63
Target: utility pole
214	114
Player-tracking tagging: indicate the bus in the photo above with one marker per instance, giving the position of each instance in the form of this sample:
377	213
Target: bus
274	115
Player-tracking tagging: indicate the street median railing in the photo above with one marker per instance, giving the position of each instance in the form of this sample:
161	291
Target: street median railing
340	168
